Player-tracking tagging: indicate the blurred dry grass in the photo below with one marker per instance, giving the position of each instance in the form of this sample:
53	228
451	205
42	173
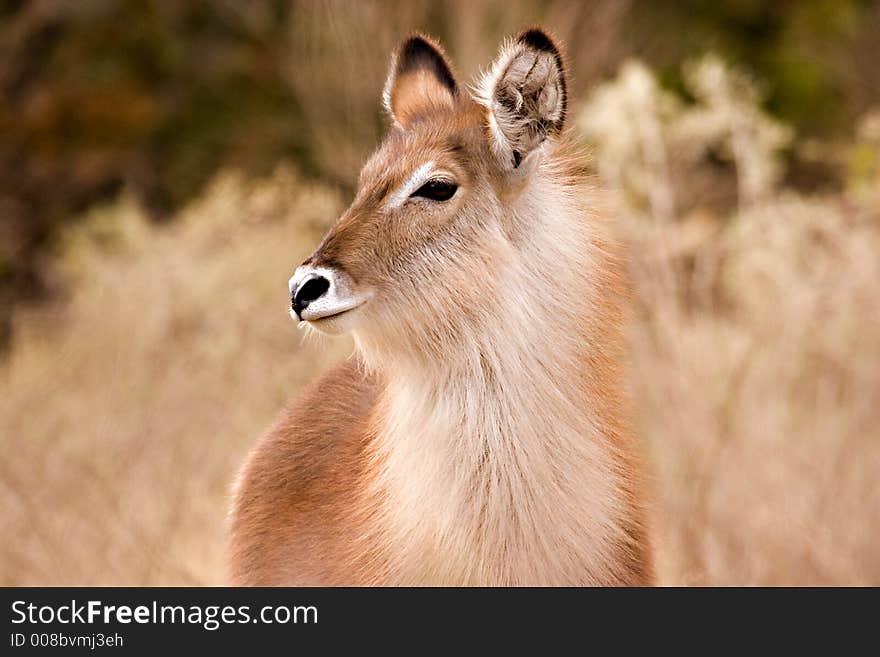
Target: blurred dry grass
756	345
126	410
761	406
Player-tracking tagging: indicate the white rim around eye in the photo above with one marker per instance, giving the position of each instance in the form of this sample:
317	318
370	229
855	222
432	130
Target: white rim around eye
439	198
415	180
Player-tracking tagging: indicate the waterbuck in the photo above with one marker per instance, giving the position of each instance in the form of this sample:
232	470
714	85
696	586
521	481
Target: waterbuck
479	435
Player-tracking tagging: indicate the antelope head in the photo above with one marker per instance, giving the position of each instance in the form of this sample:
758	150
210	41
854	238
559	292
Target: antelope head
438	209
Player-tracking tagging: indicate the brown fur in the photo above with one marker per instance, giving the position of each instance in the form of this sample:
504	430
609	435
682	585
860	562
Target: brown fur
333	494
290	505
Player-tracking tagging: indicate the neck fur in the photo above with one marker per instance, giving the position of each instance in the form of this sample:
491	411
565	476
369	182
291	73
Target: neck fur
502	463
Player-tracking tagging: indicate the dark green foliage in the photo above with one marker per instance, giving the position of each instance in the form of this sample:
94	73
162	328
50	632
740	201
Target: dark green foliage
158	95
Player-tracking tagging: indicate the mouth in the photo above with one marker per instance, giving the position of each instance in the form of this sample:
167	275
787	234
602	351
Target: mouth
332	322
324	318
321	296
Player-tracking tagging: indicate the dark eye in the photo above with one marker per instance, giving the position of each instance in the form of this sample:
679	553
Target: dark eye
436	190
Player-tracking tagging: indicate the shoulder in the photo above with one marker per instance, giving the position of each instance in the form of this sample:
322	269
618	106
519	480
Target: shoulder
343	395
301	471
324	415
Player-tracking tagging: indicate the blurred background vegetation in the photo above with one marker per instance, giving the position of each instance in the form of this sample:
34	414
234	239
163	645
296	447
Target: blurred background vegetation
163	165
156	97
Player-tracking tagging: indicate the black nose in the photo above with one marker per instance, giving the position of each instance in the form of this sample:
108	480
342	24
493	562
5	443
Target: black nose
309	289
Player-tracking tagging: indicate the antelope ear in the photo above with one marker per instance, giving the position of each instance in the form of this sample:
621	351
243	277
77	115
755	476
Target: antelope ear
420	81
525	93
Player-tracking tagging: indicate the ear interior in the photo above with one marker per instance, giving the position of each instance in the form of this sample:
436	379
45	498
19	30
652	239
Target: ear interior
420	82
526	94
